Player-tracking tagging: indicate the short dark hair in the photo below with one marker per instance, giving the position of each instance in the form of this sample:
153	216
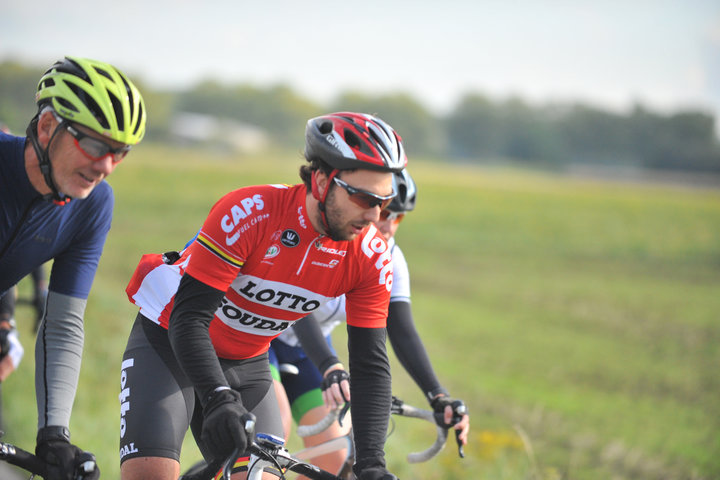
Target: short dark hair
307	170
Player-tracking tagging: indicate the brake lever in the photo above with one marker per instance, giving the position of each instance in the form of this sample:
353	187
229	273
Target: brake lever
342	413
461	451
457	418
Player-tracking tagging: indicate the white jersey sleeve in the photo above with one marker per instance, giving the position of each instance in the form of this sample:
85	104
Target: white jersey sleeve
329	316
16	349
401	275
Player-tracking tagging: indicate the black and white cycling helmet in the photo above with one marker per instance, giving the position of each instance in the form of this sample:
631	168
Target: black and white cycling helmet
346	140
406	193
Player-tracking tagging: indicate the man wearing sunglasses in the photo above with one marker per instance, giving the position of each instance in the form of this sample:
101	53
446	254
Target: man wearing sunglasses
56	206
265	257
307	395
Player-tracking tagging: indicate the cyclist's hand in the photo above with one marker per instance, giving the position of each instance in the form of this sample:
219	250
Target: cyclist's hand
452	413
64	460
336	386
376	473
223	426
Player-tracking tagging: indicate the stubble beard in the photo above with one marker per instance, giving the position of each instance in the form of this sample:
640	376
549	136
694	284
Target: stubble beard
333	218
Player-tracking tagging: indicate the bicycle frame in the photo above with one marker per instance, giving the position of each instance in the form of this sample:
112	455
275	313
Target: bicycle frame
266	451
333	445
269	451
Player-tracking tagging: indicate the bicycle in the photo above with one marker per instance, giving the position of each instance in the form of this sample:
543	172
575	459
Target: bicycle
34	465
268	451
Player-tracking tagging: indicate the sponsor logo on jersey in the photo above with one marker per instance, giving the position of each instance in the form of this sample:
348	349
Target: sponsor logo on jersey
272	252
42	239
301	217
239	214
330	250
290	238
239	319
278	295
371	246
331	264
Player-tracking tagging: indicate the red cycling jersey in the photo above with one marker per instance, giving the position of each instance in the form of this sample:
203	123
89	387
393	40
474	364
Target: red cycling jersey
258	245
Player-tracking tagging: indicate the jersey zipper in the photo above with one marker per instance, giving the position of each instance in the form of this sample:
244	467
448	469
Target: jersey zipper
307	251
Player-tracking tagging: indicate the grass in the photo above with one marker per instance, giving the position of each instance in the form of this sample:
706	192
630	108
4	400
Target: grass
578	319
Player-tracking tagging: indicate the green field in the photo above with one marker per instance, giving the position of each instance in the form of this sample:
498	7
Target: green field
578	319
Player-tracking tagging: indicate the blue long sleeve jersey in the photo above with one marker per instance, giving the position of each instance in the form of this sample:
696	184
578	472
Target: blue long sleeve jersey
34	230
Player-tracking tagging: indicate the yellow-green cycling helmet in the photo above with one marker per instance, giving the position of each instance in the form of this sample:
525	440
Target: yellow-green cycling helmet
94	94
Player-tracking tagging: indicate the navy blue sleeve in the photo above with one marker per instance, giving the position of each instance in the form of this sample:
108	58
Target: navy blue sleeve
74	269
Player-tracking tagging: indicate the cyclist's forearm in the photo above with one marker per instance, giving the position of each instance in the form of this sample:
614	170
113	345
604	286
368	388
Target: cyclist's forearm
58	355
371	392
409	348
193	310
313	342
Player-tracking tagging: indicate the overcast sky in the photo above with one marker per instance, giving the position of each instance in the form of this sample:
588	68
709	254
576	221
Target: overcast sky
663	53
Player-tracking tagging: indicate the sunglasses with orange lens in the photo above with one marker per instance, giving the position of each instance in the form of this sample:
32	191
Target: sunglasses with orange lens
395	217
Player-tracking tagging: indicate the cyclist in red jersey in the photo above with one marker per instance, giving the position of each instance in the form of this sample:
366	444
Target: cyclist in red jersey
316	381
265	257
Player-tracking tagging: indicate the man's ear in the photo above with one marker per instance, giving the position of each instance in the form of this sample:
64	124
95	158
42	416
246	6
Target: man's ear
47	123
322	182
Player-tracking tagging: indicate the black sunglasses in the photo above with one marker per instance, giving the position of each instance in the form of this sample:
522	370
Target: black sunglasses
365	199
94	148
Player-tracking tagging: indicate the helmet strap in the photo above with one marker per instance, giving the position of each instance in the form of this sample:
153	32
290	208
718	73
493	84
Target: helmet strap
321	198
43	156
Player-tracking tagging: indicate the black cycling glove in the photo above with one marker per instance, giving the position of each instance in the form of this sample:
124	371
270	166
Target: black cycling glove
335	376
376	473
64	461
223	426
438	405
4	342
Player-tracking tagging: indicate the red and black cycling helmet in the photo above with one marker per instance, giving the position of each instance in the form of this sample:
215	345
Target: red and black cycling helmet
347	140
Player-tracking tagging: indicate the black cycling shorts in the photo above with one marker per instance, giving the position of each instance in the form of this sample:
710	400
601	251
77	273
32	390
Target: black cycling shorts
158	403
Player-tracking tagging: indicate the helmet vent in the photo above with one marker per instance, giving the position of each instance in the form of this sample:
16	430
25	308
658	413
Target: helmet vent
376	137
104	73
349	119
140	115
355	142
131	99
117	107
91	104
351	139
66	104
73	68
325	128
402	192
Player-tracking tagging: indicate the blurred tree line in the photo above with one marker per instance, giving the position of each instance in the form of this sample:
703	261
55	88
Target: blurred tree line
477	128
